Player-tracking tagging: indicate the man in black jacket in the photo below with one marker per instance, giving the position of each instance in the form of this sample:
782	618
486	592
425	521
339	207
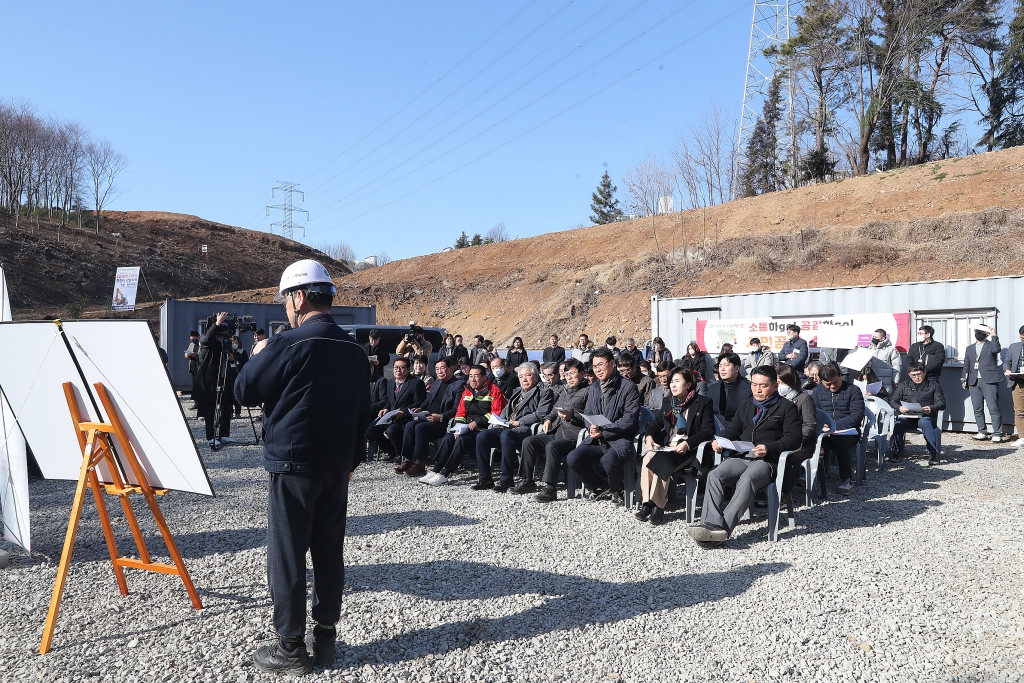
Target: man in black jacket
553	353
928	352
925	391
844	403
440	405
404	392
313	383
730	390
772	424
505	378
378	359
600	459
210	379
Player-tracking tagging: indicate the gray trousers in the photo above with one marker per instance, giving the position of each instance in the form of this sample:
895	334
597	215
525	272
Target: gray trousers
749	476
983	393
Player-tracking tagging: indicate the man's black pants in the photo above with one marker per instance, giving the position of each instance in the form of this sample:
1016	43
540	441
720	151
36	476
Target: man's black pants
306	511
208	411
387	436
417	437
554	451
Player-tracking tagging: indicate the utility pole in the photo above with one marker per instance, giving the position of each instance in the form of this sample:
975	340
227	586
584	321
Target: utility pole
287	207
769	28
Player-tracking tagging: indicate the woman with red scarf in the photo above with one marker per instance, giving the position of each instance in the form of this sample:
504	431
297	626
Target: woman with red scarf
684	421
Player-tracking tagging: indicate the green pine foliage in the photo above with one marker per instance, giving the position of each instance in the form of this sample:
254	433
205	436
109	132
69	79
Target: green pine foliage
462	242
604	205
1011	83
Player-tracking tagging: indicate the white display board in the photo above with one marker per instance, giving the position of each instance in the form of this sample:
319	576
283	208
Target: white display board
13	459
123	356
126	284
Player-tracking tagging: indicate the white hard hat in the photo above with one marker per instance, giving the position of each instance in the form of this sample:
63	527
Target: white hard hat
306	273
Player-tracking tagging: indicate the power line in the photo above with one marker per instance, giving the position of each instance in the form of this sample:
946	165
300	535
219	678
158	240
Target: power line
549	119
510	75
424	91
498	123
287	208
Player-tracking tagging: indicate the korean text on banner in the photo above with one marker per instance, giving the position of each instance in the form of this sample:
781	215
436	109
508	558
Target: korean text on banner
126	283
838	331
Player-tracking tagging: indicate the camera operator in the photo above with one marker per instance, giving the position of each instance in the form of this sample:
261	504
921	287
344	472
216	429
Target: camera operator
313	382
237	358
205	382
414	344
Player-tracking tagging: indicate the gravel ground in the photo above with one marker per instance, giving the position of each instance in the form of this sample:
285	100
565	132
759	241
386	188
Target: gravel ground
916	577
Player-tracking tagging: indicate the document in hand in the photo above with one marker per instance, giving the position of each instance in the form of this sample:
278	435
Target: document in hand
459	429
866	388
597	420
386	417
420	414
858	359
496	421
845	432
738	446
912	407
371	358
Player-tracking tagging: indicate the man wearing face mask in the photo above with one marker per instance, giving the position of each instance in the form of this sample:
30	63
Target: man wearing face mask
758	356
890	363
794	351
928	352
314	383
981	377
503	379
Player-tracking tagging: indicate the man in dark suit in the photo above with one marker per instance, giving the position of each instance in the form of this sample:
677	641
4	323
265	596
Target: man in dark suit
981	377
1015	380
440	405
928	352
404	392
772	424
372	350
553	353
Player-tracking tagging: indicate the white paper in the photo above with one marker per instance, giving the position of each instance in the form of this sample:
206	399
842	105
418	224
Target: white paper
912	407
866	388
419	414
845	432
371	357
982	328
459	429
597	421
857	360
837	336
496	421
386	417
738	446
13	460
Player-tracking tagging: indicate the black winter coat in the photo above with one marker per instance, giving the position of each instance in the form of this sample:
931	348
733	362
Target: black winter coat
779	431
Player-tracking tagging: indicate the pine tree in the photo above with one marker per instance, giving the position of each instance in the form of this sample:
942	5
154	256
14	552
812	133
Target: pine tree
462	242
1011	83
476	241
605	207
761	169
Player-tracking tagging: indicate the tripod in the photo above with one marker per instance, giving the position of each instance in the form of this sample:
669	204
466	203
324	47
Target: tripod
222	376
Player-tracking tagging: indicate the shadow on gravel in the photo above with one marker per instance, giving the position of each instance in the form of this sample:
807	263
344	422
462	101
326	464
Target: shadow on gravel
367	525
564	602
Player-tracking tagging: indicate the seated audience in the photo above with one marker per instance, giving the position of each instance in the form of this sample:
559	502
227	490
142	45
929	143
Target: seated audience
794	352
629	346
588	371
403	392
440	404
684	421
844	403
463	371
419	370
516	355
553	353
479	399
529	404
730	390
659	353
558	435
694	360
504	379
790	389
629	370
928	352
868	376
549	375
660	393
925	391
813	379
645	367
773	424
378	395
599	461
561	371
759	355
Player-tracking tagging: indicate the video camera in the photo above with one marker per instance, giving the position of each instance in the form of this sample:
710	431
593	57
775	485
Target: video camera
414	332
234	324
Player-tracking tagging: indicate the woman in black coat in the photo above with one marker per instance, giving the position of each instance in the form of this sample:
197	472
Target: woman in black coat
516	356
684	421
694	360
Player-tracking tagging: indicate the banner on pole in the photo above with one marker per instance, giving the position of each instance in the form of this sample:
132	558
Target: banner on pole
126	283
838	332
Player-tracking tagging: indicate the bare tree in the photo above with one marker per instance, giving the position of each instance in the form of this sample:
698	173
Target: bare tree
339	251
646	181
496	234
104	164
383	258
704	157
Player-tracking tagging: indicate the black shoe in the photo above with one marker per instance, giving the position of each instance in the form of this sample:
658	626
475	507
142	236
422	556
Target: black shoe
933	461
501	488
524	487
483	485
598	494
644	512
657	516
617	498
277	658
761	499
321	642
547	495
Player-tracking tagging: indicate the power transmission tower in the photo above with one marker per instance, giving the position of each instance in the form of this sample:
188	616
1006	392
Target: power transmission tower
769	28
287	208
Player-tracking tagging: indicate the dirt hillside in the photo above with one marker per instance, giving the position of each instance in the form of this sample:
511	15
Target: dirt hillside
76	272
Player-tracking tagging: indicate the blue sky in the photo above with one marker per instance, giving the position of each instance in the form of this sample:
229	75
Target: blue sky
215	102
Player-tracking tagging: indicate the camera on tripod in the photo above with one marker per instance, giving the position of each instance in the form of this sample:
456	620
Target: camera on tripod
234	324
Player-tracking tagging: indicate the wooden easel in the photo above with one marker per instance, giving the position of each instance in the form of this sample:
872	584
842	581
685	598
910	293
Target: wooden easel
96	440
